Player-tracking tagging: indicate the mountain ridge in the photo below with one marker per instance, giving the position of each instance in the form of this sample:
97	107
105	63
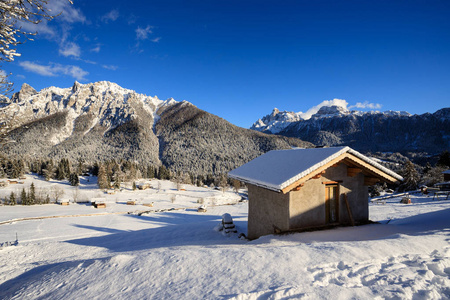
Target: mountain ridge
372	131
102	121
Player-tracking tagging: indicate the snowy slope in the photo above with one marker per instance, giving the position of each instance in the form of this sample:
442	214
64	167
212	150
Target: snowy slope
179	254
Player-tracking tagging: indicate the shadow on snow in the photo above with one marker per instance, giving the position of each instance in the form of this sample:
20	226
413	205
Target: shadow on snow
418	225
174	230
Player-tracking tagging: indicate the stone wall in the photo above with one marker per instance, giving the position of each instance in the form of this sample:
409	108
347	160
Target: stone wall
268	211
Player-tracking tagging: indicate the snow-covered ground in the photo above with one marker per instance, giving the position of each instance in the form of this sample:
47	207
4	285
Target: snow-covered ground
119	252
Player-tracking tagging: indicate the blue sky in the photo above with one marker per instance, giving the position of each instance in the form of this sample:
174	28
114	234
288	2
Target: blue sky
240	59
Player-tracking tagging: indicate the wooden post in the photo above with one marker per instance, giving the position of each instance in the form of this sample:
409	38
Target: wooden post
349	211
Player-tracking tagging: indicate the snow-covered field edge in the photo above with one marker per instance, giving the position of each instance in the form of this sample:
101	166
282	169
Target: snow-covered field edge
176	252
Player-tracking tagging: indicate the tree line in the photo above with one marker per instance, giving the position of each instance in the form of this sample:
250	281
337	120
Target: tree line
110	173
415	175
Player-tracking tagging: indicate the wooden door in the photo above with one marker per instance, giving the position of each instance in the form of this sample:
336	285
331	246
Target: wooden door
332	203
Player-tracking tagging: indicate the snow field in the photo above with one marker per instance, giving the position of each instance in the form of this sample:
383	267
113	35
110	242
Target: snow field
178	254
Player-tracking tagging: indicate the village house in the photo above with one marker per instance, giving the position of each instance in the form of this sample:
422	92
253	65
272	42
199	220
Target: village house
299	189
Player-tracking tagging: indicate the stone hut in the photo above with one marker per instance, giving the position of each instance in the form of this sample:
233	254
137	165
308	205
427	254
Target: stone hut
302	189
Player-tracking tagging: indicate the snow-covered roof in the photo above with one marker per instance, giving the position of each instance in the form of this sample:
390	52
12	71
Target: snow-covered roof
277	169
446	172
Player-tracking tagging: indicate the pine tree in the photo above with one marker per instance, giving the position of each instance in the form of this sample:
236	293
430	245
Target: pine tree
21	167
63	169
24	198
14	169
134	186
132	172
434	175
410	177
117	183
2	172
150	172
163	173
110	167
49	170
73	179
80	168
32	194
12	199
102	177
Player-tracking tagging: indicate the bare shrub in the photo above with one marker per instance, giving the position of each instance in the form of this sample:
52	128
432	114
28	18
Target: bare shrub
56	192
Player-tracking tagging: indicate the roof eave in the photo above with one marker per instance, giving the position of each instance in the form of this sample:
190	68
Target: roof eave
259	184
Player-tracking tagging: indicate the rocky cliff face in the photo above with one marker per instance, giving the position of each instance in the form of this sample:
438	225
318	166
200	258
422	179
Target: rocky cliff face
94	121
102	120
369	131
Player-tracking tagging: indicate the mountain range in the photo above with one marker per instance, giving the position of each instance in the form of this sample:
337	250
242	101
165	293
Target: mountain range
389	131
102	121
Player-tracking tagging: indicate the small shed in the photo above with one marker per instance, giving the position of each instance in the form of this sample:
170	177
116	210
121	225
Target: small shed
143	186
299	189
98	202
64	201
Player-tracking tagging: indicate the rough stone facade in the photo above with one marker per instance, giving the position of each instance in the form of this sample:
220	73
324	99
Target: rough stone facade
268	211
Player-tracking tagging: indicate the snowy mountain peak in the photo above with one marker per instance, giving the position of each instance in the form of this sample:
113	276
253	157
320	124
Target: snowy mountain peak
25	92
333	110
275	122
108	102
396	113
76	86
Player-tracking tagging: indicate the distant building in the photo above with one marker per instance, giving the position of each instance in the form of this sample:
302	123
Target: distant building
300	189
446	175
143	186
444	186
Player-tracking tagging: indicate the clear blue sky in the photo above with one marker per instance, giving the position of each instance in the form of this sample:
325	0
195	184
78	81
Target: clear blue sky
239	59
